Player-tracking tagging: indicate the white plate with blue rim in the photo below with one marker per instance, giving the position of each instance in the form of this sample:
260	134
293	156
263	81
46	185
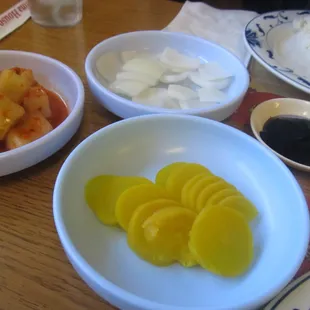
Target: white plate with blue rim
294	296
273	42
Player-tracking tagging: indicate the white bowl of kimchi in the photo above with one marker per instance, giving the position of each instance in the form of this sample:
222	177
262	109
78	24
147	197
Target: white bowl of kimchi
41	107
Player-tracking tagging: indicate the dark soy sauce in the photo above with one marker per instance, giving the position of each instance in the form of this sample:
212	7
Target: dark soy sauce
289	136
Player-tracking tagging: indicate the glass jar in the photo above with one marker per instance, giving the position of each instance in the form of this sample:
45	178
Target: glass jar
56	13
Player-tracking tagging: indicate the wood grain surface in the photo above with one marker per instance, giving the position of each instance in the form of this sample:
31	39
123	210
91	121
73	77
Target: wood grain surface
34	271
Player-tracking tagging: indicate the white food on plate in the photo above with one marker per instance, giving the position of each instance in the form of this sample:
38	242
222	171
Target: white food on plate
128	55
173	78
148	66
213	71
137	76
198	79
302	23
128	88
107	66
141	72
156	97
294	50
181	92
175	69
210	94
177	61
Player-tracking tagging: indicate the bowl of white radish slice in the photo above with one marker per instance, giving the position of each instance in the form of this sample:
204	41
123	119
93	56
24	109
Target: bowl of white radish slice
147	72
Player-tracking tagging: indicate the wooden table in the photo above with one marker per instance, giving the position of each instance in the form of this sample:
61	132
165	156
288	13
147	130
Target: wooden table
34	271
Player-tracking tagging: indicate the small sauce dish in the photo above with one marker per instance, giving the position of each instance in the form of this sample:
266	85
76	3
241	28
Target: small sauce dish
280	107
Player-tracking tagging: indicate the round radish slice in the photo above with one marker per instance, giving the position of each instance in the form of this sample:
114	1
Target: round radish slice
108	65
175	69
174	59
181	93
213	71
137	76
173	78
148	66
128	88
156	97
198	79
211	94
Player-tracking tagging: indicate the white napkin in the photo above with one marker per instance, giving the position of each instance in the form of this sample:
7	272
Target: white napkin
224	27
13	18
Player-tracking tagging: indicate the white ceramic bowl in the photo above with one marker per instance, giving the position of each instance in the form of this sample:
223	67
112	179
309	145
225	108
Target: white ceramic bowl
155	42
275	107
143	145
59	78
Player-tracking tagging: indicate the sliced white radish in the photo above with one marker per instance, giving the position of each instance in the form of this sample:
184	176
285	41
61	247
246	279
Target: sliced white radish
128	55
137	76
128	88
198	79
156	97
148	66
221	83
211	94
174	59
213	71
175	69
181	93
173	78
195	104
108	65
102	80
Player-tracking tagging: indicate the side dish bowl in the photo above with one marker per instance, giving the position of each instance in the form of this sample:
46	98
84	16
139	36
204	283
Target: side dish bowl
154	42
279	107
60	79
141	146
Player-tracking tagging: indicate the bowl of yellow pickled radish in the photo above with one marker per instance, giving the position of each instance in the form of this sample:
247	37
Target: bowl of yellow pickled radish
173	212
41	107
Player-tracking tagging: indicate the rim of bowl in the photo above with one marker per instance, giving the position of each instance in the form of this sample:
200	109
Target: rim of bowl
290	162
73	113
134	300
131	104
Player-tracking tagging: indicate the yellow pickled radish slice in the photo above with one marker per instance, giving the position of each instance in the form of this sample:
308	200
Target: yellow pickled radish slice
164	173
102	192
135	237
199	187
187	189
217	197
180	176
132	198
241	204
167	235
221	241
205	194
186	258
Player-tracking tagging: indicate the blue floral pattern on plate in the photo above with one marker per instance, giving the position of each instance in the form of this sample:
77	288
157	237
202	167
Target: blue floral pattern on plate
252	38
295	296
256	34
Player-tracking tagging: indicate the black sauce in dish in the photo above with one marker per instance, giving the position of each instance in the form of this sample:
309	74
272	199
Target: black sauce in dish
289	136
